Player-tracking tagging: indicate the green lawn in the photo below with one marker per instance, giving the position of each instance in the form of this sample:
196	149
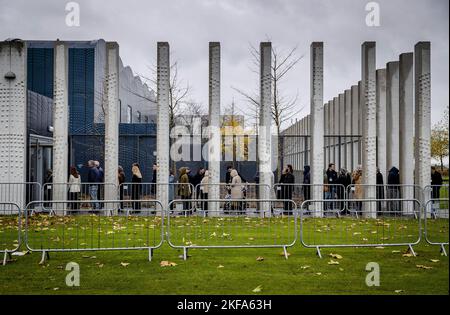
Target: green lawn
223	271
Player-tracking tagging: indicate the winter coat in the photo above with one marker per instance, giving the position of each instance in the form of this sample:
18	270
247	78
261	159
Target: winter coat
236	185
394	176
357	181
306	175
205	183
184	188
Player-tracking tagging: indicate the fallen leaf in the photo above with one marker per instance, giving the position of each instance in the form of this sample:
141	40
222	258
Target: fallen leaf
287	254
379	247
259	258
55	289
220	266
398	291
305	267
434	260
335	256
333	262
123	264
396	252
319	273
424	267
408	255
166	263
257	289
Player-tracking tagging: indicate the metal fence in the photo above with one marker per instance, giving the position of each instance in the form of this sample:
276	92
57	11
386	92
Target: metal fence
232	227
92	192
10	227
436	227
20	193
372	228
90	229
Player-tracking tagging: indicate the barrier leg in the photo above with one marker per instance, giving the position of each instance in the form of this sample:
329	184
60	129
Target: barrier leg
285	252
44	257
443	251
411	250
185	250
318	252
150	254
5	258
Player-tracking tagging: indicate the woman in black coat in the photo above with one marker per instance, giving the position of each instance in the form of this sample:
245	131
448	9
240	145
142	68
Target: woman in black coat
287	180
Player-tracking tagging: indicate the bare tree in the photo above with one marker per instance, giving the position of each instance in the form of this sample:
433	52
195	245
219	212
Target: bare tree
283	107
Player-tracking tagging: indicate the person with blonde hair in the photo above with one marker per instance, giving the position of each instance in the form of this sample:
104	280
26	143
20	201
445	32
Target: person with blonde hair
136	186
236	191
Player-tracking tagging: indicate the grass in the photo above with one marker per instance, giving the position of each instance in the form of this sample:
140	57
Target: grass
223	271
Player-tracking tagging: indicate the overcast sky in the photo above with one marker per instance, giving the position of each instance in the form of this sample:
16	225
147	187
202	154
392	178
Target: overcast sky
189	25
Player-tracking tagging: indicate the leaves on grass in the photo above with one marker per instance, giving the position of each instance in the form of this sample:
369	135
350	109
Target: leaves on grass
257	289
379	247
166	263
434	260
318	273
259	258
335	256
124	264
220	266
333	262
287	254
424	267
399	291
305	267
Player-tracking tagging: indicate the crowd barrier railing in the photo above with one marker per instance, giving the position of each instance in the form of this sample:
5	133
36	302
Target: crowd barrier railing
10	229
372	228
232	226
436	227
81	228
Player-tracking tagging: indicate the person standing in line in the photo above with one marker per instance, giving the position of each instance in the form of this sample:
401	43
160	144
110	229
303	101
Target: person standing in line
287	180
204	189
345	180
236	191
196	180
121	181
184	190
332	181
393	189
436	183
74	188
100	181
171	188
93	176
358	192
306	182
137	186
154	177
380	191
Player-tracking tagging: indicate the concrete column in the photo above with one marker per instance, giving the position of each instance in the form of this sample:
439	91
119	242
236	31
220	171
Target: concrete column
342	153
336	131
13	122
369	106
361	122
325	131
317	123
265	140
406	111
214	123
60	120
111	120
162	137
392	115
355	126
348	130
381	122
422	78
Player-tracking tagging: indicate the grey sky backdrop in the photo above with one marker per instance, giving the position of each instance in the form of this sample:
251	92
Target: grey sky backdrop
189	25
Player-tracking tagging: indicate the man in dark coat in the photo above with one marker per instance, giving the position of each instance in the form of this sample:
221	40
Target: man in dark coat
393	190
307	181
380	189
286	181
436	183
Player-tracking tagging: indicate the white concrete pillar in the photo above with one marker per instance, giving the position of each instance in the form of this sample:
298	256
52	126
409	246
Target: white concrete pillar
342	153
325	131
111	107
355	126
336	131
369	106
162	134
265	139
361	124
348	129
406	111
214	123
60	120
422	78
317	123
13	119
392	116
381	122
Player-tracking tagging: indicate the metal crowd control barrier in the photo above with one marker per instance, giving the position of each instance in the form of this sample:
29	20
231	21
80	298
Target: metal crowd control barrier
301	192
20	193
10	227
372	228
385	193
233	227
86	192
248	190
436	226
148	191
87	229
